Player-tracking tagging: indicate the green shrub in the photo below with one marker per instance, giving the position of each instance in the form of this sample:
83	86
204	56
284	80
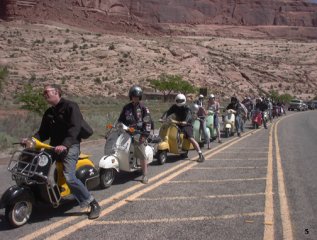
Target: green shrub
32	100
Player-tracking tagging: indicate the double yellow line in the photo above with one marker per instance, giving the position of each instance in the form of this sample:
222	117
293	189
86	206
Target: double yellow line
269	203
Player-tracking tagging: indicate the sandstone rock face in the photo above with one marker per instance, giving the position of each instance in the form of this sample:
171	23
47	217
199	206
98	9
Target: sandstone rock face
231	12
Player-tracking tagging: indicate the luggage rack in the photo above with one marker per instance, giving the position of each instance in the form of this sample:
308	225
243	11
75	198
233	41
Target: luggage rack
30	166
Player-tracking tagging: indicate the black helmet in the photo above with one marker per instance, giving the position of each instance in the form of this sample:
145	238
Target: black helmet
234	99
135	91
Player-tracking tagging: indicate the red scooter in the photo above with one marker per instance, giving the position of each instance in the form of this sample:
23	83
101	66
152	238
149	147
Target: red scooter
257	119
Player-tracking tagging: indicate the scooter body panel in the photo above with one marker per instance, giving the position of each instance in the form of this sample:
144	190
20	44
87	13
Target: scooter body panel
210	124
108	162
15	193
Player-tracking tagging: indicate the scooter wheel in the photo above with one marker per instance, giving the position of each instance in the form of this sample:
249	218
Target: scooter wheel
161	157
19	212
106	177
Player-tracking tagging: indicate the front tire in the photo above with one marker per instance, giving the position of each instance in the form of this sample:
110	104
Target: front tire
106	177
18	213
161	157
227	132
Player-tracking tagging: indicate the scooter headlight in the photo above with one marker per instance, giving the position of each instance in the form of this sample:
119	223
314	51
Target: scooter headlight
43	160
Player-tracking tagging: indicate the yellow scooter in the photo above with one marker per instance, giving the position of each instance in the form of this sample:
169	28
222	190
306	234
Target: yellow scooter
173	141
37	180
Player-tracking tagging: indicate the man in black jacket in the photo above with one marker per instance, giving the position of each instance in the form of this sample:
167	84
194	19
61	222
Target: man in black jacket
132	115
61	123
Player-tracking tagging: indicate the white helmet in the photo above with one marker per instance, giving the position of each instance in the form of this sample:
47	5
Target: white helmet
211	96
201	96
180	100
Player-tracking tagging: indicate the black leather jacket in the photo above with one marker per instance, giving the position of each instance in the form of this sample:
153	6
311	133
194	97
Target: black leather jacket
61	124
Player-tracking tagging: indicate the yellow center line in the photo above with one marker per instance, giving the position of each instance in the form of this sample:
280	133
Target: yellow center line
269	204
201	197
285	215
171	220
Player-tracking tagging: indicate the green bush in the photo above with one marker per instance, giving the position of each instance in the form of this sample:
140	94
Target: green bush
32	100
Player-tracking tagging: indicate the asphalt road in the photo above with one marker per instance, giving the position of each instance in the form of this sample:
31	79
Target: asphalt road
259	186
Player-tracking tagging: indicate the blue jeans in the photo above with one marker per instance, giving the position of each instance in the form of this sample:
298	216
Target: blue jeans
239	123
203	129
77	188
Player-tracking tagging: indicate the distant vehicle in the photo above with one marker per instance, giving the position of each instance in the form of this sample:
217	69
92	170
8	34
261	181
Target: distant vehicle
314	103
296	104
310	105
305	107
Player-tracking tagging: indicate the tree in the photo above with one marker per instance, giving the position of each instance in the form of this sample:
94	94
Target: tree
171	83
32	100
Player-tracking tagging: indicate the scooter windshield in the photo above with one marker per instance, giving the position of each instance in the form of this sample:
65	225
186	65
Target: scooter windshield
117	140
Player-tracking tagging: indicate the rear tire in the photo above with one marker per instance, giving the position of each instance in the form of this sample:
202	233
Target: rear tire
106	177
19	212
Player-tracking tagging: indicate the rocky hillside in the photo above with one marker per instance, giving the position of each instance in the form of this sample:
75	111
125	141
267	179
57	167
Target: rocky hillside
106	13
102	47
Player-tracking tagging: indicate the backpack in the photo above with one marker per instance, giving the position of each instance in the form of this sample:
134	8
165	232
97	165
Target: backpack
85	131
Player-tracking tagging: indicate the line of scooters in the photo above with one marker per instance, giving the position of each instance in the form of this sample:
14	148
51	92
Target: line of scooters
39	178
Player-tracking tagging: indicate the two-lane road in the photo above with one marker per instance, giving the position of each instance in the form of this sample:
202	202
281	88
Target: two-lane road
260	186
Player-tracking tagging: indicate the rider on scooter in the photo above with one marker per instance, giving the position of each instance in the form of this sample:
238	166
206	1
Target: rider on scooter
62	124
132	115
240	112
261	106
215	106
183	114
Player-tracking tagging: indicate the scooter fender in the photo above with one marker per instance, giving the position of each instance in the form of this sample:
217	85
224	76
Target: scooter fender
108	162
15	193
163	146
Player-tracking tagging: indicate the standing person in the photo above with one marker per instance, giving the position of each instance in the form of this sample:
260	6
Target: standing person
261	106
247	102
132	115
215	107
183	114
61	123
240	112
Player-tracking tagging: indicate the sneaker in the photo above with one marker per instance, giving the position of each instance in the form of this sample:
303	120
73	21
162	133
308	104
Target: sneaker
239	134
219	141
145	179
201	158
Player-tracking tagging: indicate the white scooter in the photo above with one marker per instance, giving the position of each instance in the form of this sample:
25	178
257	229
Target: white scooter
229	122
119	153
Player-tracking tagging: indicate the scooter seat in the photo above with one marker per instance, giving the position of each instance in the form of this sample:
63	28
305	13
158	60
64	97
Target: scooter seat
83	156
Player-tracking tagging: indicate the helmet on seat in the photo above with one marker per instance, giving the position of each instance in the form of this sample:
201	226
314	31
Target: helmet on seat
180	100
135	91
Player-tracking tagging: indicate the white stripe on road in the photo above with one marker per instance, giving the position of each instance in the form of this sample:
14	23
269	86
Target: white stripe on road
171	220
201	197
218	181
